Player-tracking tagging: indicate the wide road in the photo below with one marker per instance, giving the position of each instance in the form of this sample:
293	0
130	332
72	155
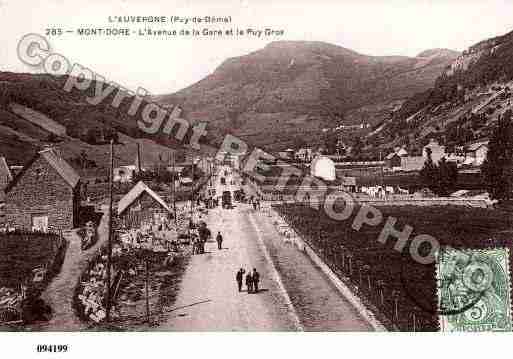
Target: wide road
208	299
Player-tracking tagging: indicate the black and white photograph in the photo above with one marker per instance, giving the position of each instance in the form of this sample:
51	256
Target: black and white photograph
255	166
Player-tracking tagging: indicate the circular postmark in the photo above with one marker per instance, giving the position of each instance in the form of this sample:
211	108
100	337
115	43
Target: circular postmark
460	287
472	289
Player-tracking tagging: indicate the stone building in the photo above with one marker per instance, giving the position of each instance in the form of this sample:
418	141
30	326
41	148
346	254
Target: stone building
5	175
142	206
44	196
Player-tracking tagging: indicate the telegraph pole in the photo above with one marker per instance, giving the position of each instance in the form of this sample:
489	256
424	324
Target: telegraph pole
381	165
109	241
147	288
192	189
173	185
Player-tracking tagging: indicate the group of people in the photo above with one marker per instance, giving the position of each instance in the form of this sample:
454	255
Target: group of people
255	201
198	241
209	202
200	238
252	280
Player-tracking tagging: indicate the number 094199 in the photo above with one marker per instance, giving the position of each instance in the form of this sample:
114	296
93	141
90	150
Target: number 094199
52	348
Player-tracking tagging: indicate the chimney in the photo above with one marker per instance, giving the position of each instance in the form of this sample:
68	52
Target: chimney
138	159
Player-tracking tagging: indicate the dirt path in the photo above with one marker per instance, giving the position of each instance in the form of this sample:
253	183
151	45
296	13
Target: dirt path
59	293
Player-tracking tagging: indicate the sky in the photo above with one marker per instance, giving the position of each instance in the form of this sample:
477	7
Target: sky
166	65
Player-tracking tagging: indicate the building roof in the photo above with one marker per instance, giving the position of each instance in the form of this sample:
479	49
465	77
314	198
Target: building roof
175	168
390	155
5	171
475	146
402	152
135	193
62	167
348	181
128	167
413	163
433	143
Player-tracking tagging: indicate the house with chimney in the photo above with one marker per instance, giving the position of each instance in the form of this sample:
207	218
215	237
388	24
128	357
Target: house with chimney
5	175
44	196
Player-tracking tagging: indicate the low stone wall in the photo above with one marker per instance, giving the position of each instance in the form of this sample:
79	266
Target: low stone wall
392	200
477	203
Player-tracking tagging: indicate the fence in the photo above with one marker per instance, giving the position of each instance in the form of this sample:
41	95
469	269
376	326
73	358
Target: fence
30	260
388	302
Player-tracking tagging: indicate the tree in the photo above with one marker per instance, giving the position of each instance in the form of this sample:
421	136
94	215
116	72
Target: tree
93	135
440	178
429	173
330	142
299	142
498	165
357	148
447	177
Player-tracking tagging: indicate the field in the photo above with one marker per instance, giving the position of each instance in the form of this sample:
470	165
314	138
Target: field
373	177
402	290
21	253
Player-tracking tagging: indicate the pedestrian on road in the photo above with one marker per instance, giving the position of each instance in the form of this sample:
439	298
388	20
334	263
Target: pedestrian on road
249	282
239	277
194	245
256	280
219	240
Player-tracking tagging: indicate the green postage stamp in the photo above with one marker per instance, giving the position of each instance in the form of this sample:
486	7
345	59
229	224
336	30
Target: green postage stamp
474	290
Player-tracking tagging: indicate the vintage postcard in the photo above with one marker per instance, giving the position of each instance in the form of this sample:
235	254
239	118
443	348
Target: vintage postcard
255	166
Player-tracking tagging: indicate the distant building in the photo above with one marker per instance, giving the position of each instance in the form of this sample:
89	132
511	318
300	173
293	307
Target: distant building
124	174
15	169
5	174
393	159
323	167
186	181
285	155
437	151
304	154
414	163
348	184
176	169
141	205
44	196
477	153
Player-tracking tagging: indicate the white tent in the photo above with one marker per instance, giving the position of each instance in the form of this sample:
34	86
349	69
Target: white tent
323	167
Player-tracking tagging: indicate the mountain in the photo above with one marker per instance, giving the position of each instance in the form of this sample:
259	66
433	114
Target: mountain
36	112
271	97
294	89
463	105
